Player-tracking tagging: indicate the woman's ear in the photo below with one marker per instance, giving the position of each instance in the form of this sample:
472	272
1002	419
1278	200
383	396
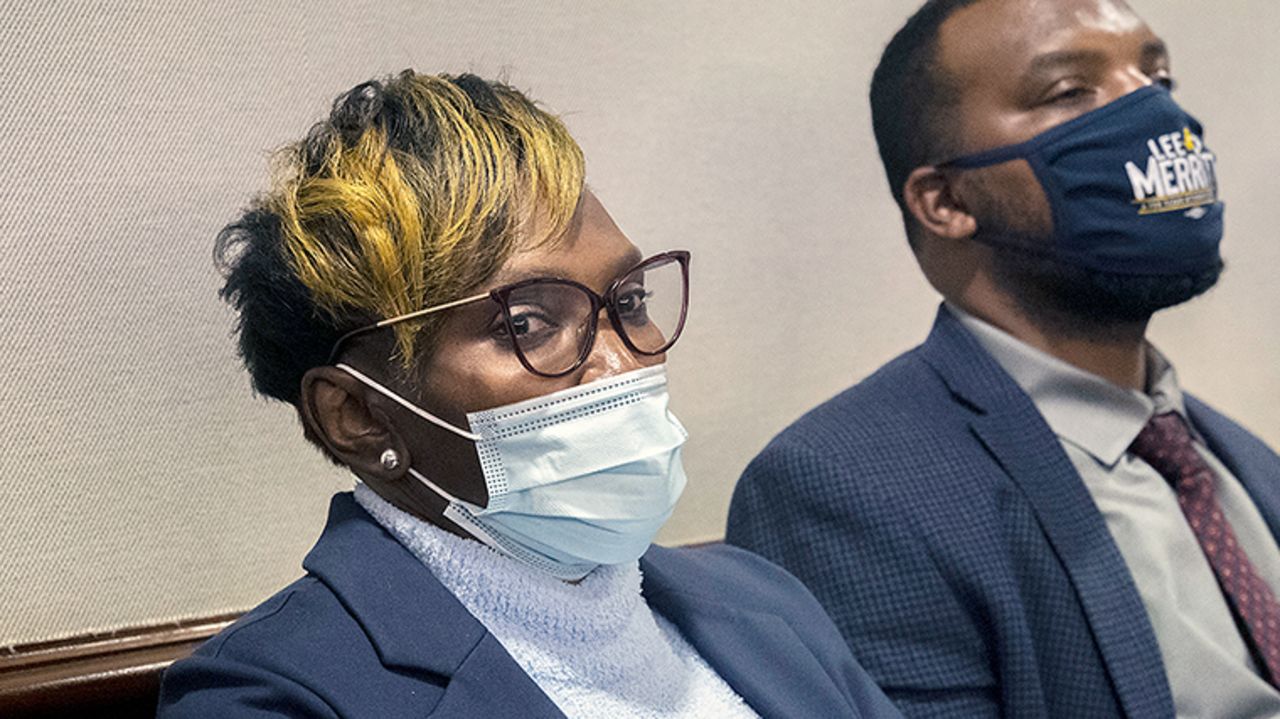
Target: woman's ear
337	410
930	196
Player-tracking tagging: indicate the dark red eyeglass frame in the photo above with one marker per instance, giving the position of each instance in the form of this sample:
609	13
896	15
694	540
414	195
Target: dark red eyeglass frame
606	301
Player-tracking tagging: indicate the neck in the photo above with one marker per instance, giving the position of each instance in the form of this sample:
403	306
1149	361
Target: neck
1115	352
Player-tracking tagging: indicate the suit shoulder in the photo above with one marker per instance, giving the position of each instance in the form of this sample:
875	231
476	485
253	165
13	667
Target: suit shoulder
303	646
905	392
731	575
1227	430
281	621
899	422
736	581
300	635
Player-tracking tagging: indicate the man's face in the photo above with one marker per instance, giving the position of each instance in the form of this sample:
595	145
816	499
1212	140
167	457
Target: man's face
1021	67
1024	66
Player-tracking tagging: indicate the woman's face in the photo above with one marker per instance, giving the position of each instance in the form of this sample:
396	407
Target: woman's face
474	367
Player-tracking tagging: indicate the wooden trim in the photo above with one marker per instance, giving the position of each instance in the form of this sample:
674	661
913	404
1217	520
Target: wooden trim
95	674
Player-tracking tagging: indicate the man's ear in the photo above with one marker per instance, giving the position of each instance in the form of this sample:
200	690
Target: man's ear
337	410
930	196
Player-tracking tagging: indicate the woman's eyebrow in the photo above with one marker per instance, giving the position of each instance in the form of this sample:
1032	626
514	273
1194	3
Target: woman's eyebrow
527	273
627	261
617	267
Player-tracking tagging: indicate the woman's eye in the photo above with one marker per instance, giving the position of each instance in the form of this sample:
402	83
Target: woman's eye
520	325
525	324
633	307
633	303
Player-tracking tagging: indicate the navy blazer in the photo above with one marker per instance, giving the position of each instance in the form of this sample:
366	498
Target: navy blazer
370	632
937	517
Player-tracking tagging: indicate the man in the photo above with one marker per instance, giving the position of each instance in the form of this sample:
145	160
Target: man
1025	516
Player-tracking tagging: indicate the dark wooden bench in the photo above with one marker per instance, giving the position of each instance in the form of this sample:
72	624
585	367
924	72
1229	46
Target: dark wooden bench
115	674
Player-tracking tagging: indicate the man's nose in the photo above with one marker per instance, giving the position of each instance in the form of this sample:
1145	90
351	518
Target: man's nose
1129	79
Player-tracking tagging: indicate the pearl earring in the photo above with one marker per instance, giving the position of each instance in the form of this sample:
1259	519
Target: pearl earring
390	460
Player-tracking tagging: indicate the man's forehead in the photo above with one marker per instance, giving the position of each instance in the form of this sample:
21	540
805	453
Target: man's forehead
1005	35
1112	15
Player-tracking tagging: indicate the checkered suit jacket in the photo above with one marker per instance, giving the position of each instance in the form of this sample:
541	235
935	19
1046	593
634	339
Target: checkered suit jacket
935	515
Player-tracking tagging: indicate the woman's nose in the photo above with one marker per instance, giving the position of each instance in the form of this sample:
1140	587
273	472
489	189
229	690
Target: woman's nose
610	355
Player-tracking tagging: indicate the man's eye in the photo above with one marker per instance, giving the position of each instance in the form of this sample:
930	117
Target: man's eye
1069	95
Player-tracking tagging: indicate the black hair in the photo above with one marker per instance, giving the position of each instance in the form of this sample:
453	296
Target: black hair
281	333
910	94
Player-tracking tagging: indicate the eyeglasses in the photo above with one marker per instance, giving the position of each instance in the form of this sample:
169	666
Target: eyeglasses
551	322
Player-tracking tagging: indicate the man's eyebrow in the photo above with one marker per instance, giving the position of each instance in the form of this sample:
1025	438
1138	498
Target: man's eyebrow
1050	60
1155	50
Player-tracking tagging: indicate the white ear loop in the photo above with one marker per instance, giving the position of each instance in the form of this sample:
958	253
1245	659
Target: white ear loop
410	406
433	486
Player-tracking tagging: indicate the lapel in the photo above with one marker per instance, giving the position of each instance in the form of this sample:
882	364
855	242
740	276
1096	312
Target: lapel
1007	423
1251	461
415	623
754	652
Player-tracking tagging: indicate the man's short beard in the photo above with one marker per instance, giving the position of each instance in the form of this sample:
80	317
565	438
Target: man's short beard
1075	300
1050	290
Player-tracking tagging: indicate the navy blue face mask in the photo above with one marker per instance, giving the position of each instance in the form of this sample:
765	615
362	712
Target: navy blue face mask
1132	188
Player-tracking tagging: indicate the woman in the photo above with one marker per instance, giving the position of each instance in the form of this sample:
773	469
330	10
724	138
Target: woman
459	321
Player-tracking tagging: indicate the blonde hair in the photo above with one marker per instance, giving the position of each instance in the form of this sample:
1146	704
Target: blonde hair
414	191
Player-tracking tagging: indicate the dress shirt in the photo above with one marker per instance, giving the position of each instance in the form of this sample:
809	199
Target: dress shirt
1210	669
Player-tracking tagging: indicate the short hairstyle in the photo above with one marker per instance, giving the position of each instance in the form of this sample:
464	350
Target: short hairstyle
414	191
909	97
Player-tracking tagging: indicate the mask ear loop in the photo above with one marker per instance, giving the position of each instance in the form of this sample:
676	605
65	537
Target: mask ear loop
457	510
409	405
462	514
421	413
434	487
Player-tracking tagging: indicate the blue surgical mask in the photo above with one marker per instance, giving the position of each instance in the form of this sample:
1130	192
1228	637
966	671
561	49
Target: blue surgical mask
1132	188
578	478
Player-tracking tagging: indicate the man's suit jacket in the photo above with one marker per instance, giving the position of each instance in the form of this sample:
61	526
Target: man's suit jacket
936	516
370	632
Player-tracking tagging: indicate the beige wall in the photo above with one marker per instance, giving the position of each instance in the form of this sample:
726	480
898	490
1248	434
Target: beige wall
140	481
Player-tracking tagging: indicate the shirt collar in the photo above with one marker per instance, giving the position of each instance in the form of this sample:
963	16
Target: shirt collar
1080	407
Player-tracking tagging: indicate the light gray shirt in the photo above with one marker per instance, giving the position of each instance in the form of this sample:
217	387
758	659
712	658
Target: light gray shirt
1210	670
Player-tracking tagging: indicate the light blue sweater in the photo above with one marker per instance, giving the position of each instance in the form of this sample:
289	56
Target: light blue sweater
595	647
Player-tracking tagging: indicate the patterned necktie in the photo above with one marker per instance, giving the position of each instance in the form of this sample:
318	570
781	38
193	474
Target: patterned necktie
1165	444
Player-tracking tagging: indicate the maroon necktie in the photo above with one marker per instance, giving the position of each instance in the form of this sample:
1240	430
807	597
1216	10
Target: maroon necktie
1165	444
